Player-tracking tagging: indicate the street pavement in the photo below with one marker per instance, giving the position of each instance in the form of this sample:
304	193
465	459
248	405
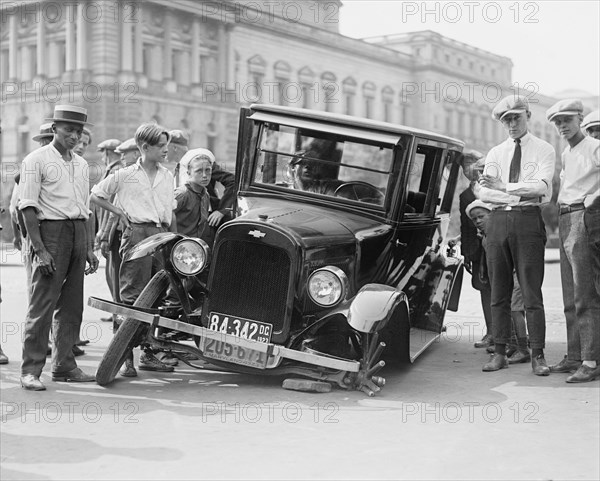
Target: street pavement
439	418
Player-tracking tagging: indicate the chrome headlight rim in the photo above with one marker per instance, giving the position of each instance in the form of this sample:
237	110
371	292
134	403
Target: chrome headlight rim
190	240
337	274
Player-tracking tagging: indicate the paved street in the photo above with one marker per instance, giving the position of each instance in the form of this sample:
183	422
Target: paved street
438	418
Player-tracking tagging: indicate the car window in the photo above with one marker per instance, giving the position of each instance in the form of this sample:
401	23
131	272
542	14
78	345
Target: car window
322	163
420	175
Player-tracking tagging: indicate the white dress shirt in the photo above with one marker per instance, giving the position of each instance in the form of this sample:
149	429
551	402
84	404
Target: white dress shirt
56	188
141	201
535	178
580	175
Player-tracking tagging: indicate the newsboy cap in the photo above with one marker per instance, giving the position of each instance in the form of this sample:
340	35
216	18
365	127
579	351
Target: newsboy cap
70	113
565	107
591	120
513	104
109	144
127	146
178	137
477	204
45	132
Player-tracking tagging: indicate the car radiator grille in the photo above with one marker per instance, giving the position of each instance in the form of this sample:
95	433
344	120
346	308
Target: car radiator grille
251	281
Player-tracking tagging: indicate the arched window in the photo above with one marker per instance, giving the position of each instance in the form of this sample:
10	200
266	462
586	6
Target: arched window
330	90
368	91
257	66
387	97
349	93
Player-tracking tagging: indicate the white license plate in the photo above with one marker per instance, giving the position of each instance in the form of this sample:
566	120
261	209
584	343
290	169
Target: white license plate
240	327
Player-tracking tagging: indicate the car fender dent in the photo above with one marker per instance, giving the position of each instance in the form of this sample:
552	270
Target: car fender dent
373	306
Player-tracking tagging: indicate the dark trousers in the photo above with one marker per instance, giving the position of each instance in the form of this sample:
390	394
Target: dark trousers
56	300
516	240
485	291
135	274
113	266
592	226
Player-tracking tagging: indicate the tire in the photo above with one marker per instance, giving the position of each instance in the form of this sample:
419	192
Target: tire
130	332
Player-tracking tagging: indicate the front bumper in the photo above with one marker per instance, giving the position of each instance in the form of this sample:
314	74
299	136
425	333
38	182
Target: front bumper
274	352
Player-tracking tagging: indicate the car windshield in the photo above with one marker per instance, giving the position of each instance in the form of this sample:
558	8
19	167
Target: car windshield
323	163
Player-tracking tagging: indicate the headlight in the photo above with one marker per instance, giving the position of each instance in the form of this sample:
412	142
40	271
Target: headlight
190	256
327	286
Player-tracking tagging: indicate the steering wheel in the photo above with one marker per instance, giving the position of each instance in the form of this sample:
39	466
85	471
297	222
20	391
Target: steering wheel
360	191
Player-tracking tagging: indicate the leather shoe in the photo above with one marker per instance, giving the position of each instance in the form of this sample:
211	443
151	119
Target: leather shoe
496	362
31	382
585	374
128	369
167	358
74	375
519	357
77	351
566	365
486	341
148	362
491	349
3	357
539	366
82	342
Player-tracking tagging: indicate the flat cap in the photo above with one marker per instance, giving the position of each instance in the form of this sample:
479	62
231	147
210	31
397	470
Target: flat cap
109	144
565	107
469	156
45	132
127	146
513	104
477	204
591	120
178	137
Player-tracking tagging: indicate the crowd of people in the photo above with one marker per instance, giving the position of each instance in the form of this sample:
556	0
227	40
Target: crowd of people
503	237
59	224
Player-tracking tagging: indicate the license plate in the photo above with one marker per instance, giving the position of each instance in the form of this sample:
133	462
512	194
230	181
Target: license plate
239	327
223	351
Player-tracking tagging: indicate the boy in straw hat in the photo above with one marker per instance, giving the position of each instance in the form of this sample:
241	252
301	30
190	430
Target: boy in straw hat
54	198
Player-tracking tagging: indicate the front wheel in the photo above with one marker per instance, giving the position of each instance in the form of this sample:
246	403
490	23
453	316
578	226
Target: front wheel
131	331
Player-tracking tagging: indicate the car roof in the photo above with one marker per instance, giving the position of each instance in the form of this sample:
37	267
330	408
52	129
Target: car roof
355	122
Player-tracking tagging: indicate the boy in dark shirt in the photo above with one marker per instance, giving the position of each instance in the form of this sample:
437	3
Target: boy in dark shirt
193	201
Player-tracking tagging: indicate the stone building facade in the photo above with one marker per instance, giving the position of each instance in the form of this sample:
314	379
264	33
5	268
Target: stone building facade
190	65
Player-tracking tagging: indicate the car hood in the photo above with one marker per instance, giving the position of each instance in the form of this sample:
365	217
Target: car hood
312	225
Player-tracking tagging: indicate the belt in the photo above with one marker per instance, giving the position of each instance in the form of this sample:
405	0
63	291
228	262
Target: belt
63	220
567	209
518	208
149	224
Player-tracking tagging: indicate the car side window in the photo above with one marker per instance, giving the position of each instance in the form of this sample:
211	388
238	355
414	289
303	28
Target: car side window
420	174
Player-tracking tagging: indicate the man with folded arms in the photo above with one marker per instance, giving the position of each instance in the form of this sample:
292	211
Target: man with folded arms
517	179
54	199
579	189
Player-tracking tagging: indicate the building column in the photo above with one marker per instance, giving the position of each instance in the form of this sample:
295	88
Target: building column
82	63
13	47
230	58
168	46
222	54
138	42
70	55
41	49
195	61
126	44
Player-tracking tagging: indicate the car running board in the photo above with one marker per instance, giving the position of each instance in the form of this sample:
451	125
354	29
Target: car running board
420	339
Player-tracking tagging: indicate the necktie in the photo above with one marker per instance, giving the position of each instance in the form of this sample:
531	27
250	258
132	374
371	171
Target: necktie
515	163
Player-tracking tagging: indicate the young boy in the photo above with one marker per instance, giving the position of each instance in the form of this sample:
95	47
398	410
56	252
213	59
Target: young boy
145	207
479	212
192	198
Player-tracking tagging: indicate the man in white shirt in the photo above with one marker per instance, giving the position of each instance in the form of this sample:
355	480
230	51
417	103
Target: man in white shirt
580	187
54	199
145	206
517	179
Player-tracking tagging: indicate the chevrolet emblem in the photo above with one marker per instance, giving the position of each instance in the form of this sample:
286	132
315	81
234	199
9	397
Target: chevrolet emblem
256	233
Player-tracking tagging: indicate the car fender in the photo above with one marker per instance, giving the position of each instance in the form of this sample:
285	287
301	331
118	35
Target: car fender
373	306
150	245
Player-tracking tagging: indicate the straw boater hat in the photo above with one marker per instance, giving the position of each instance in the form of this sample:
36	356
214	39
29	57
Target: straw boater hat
45	132
71	114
